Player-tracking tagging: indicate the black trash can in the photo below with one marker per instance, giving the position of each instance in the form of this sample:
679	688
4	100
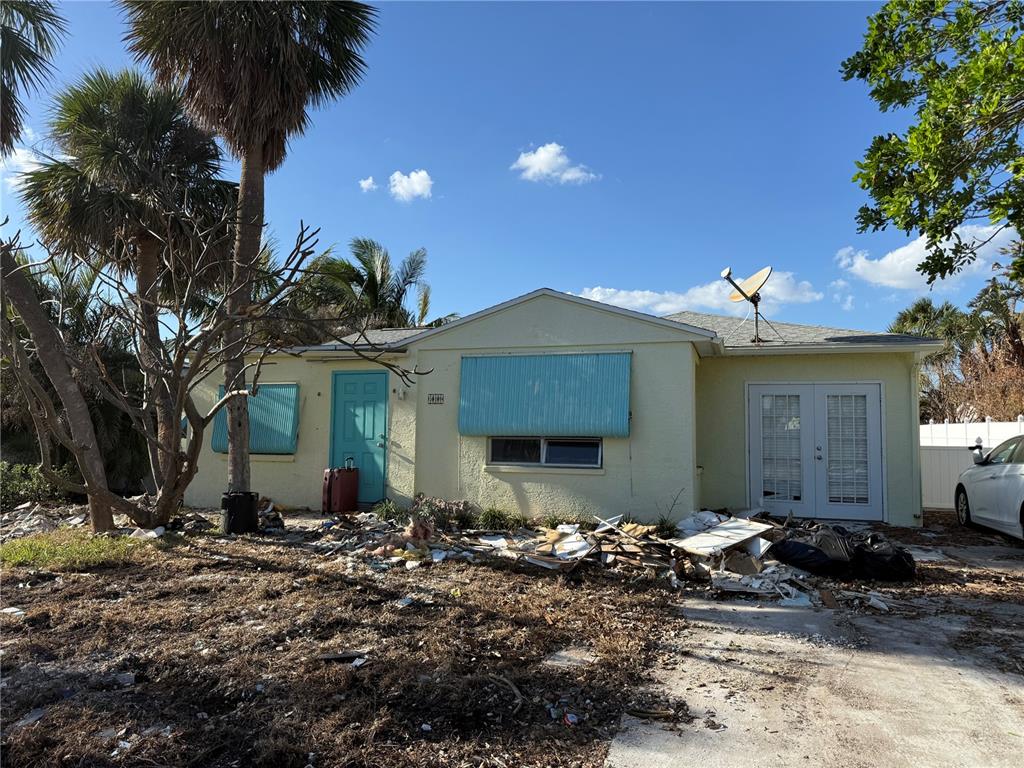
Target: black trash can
240	513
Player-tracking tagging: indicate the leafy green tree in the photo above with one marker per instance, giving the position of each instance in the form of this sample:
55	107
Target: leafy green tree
68	291
250	71
131	166
30	31
960	67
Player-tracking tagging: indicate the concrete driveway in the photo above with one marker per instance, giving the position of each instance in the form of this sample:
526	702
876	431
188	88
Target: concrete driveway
770	686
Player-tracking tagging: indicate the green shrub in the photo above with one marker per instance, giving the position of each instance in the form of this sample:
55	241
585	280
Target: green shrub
494	519
389	511
666	528
25	482
444	514
67	549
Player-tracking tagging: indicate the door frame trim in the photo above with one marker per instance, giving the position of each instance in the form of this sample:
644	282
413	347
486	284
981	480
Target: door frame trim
387	419
882	423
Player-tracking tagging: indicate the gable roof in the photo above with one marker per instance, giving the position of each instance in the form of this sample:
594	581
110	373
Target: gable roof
393	338
717	334
737	334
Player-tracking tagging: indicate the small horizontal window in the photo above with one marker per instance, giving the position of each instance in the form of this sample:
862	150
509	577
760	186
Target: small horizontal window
547	451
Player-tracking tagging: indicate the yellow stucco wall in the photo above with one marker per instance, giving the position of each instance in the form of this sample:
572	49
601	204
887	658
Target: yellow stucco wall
297	480
721	420
642	474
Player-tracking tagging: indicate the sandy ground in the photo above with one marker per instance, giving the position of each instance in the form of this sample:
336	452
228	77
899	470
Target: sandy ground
940	683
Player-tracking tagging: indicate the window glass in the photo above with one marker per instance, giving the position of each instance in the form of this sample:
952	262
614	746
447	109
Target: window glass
515	450
585	453
1018	458
1001	453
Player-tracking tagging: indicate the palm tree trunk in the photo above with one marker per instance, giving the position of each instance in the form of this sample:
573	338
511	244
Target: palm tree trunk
50	348
147	278
248	231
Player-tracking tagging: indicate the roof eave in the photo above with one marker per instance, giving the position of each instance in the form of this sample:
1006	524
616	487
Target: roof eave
832	348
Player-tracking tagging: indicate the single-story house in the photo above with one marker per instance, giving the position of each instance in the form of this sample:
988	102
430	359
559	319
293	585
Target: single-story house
555	403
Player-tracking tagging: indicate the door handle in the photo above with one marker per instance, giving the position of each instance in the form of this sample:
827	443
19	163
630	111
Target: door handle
380	445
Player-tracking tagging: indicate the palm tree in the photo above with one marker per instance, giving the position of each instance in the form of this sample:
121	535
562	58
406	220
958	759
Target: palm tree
131	167
944	321
30	31
370	287
250	70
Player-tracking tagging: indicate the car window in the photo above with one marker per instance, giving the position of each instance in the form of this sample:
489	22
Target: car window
1001	453
1018	457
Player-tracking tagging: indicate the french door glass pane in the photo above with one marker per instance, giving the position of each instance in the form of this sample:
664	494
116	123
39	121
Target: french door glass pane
847	435
781	471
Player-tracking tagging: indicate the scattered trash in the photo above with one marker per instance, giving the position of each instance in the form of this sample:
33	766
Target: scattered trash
346	657
125	679
147	533
573	656
32	717
426	728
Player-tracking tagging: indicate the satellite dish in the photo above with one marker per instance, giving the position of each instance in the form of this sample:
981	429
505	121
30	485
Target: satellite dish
749	290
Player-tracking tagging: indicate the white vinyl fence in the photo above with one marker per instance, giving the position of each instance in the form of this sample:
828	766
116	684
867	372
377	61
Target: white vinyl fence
945	454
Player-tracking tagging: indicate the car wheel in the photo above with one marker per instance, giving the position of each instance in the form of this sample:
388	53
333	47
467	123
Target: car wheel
963	507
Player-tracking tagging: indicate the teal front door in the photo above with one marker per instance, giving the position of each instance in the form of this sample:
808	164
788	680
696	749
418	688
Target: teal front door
359	428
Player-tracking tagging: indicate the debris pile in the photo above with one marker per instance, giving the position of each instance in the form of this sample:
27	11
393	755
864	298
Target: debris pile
31	518
742	552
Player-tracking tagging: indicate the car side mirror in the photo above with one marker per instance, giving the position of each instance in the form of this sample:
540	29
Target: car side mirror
978	454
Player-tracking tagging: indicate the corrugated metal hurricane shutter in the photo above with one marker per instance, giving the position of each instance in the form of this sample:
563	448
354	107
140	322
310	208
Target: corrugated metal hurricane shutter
583	395
273	420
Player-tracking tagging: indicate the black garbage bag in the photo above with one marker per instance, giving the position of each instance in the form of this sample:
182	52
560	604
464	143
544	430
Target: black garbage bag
832	551
875	558
823	551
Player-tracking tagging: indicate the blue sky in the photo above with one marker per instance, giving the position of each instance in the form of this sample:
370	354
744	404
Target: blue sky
626	152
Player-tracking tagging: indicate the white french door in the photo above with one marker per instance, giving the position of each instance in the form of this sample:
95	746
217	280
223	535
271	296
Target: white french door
816	450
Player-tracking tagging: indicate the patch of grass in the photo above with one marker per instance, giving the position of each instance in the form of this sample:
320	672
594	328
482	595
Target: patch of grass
494	519
68	550
666	527
389	511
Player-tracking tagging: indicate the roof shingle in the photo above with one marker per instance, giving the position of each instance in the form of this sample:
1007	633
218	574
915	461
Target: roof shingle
739	332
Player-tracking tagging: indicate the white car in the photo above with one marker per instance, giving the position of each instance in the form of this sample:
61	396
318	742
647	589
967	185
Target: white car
991	493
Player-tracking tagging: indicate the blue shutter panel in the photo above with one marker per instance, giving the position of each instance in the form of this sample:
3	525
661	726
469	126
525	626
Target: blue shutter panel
583	395
273	420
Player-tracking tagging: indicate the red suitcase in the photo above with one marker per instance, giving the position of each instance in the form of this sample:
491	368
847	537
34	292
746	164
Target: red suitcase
341	491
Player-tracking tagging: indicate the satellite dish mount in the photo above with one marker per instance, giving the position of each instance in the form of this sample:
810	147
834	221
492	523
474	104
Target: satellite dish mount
749	290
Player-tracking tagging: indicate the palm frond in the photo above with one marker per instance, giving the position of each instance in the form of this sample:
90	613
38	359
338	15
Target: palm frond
294	55
30	31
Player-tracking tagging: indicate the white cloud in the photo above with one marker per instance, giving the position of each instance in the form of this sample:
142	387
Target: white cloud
367	184
550	163
406	188
21	160
782	288
840	296
898	268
